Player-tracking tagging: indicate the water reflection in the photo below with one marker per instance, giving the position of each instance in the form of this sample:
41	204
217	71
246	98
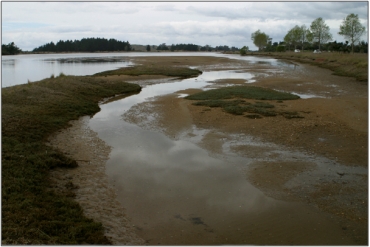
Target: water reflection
176	193
162	170
173	177
171	185
226	74
38	67
10	62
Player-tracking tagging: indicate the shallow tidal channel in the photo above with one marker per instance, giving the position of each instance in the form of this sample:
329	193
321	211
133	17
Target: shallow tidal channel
176	193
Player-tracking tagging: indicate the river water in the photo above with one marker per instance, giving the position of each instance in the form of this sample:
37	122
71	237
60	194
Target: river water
21	69
175	192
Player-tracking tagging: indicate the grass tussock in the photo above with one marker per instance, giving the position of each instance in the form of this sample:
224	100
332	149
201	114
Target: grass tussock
225	99
351	65
33	213
181	72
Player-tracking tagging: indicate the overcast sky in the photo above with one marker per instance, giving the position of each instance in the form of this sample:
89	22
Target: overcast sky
32	24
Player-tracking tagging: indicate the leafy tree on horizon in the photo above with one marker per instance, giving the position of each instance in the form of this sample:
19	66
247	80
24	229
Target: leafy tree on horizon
260	39
306	35
351	29
294	36
298	35
320	31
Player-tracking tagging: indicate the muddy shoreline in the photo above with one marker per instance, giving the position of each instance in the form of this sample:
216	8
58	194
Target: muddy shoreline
334	127
89	183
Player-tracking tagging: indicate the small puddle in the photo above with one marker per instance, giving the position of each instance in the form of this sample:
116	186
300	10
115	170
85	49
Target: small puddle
307	96
175	193
228	74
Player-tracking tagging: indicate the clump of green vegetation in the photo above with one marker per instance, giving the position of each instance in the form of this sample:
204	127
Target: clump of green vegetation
224	98
32	212
181	72
220	103
246	92
238	107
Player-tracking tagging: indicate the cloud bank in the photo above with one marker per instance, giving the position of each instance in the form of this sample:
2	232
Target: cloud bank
31	24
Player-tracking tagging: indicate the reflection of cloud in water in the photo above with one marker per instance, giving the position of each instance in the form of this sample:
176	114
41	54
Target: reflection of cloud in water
161	170
226	74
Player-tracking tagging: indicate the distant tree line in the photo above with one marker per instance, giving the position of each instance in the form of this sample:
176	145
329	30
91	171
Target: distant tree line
85	45
192	47
226	48
184	47
10	49
178	47
345	47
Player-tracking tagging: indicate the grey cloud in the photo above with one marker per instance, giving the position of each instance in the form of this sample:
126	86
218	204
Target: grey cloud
70	29
283	10
99	7
212	23
165	7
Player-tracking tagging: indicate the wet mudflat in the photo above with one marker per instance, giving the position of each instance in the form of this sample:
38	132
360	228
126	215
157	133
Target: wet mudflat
175	193
189	182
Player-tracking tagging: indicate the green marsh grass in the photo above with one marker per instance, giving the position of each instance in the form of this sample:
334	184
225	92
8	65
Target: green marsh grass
230	99
32	213
181	72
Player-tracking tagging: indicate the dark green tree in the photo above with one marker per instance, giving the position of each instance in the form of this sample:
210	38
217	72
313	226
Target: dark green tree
10	49
244	50
162	47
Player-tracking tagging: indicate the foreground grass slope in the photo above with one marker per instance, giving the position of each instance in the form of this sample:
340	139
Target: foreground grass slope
31	212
